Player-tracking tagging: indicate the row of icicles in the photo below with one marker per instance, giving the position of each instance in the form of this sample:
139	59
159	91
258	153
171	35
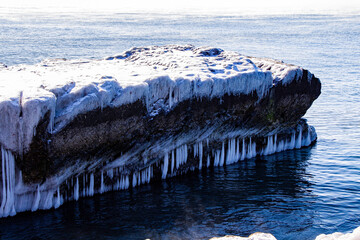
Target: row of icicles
84	185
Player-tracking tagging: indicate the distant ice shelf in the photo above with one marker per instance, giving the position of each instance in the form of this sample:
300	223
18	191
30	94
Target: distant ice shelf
75	128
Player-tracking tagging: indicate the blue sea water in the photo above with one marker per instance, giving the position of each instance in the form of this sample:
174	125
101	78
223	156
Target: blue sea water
293	195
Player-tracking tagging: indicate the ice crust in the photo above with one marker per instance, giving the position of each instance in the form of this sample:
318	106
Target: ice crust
160	77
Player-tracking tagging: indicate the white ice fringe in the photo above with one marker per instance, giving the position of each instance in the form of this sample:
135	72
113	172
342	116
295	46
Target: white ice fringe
7	207
15	199
165	166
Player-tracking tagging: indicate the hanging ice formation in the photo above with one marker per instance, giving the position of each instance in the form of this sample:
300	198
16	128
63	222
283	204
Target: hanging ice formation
13	196
68	116
7	207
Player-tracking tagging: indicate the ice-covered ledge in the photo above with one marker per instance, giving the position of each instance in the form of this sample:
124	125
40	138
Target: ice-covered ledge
72	128
171	74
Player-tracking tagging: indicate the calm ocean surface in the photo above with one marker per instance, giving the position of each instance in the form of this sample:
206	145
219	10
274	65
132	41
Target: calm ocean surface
293	195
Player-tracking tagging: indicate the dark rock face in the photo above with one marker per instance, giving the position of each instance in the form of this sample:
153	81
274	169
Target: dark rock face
287	104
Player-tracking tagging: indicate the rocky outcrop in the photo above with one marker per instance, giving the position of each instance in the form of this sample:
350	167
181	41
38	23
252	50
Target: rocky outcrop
73	128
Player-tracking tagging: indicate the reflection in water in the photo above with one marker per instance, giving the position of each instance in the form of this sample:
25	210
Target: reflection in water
268	194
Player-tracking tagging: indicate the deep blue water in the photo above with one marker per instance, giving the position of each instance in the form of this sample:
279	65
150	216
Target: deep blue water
293	195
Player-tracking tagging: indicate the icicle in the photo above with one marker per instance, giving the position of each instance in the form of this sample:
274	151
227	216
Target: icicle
271	145
165	166
217	158
172	161
200	154
91	188
243	152
127	182
36	202
117	185
231	155
84	187
237	149
228	154
298	140
48	200
249	153
19	185
170	97
134	180
251	149
3	202
281	146
208	161
110	173
195	149
143	176
102	186
58	199
268	145
148	174
122	183
76	189
200	164
8	180
222	157
181	155
177	158
307	140
254	149
12	183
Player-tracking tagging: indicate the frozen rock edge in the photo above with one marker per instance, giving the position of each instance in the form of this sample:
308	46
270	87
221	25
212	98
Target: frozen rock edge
70	129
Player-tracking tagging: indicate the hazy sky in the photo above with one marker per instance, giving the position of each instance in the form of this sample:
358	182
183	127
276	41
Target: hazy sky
231	6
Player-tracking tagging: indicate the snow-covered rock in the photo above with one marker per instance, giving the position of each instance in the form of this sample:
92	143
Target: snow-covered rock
355	235
73	128
254	236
